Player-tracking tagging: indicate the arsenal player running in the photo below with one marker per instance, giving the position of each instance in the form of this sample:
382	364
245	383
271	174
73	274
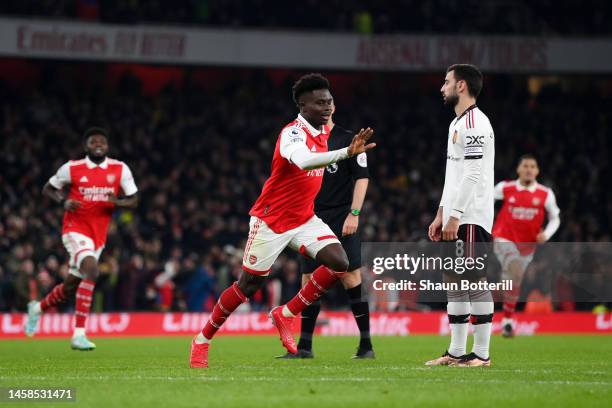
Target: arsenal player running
519	227
339	205
95	183
283	215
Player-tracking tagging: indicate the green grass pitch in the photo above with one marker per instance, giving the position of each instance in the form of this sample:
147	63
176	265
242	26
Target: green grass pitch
153	372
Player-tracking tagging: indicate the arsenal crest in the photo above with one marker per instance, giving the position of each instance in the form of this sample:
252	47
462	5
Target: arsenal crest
536	201
110	178
252	259
454	137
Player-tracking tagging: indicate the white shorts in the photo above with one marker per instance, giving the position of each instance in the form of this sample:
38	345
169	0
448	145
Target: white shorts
506	252
79	247
265	245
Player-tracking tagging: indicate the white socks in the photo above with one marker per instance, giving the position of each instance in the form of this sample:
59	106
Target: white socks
462	304
458	309
36	308
482	312
79	331
201	339
286	312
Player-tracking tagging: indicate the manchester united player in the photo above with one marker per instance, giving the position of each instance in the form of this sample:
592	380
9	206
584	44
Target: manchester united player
95	183
518	228
466	212
283	215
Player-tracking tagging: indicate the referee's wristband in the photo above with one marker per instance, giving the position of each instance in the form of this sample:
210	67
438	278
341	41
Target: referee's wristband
355	212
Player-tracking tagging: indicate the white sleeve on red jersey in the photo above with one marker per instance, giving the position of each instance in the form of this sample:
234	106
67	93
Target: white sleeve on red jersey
62	177
498	192
293	148
291	139
552	213
127	181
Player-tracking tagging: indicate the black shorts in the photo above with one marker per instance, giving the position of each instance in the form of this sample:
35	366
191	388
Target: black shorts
351	243
474	242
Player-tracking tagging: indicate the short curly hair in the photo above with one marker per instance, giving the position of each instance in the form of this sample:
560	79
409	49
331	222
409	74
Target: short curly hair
95	131
527	156
308	83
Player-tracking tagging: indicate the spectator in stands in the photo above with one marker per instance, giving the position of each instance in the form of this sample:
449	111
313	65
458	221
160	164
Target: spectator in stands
199	156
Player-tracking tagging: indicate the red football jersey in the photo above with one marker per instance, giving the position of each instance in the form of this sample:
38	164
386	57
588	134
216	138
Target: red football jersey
287	198
90	185
523	212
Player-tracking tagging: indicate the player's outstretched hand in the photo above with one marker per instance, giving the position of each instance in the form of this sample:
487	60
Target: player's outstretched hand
358	144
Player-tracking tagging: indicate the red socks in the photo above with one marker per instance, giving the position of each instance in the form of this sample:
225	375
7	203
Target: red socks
229	300
84	295
510	301
54	298
321	280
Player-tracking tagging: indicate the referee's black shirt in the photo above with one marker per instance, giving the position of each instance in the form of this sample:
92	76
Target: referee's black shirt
339	178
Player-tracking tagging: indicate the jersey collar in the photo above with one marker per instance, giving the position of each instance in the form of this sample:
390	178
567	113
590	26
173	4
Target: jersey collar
466	111
311	129
531	188
91	165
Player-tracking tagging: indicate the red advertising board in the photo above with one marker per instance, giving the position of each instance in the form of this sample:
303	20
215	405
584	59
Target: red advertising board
333	324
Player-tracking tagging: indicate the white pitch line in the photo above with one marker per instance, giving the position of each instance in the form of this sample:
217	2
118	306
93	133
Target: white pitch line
319	379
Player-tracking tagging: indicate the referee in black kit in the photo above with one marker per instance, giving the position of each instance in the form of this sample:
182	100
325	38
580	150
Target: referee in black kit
339	204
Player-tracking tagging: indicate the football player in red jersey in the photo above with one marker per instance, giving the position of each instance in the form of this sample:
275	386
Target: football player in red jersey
95	183
518	228
283	216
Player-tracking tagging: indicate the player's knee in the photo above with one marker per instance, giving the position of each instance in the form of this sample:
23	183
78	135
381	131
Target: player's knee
89	268
249	284
515	268
333	257
339	262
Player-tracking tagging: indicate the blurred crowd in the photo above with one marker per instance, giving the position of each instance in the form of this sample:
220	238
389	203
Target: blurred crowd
561	17
201	154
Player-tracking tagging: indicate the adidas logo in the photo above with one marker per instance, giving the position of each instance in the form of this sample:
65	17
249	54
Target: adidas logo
313	149
84	179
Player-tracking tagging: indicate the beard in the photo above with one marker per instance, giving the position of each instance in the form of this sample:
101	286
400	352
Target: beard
451	100
96	158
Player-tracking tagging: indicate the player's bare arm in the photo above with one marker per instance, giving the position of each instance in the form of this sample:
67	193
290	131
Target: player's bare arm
58	196
351	223
307	160
124	202
435	228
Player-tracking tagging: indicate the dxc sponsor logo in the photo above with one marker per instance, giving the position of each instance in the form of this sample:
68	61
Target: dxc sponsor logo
474	140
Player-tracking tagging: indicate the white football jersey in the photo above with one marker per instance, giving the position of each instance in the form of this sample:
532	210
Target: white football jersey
468	183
